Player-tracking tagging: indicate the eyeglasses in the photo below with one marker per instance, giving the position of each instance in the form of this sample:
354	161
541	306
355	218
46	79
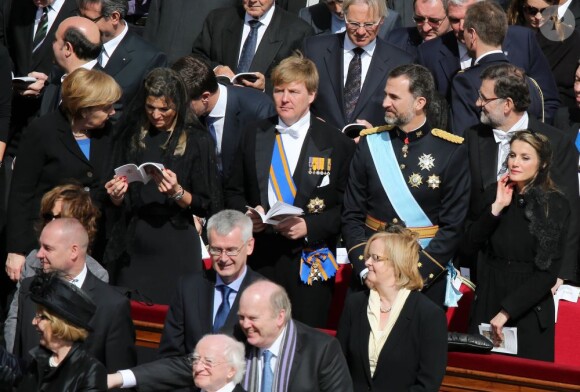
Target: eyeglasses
485	100
533	11
40	317
49	216
207	364
433	22
375	258
94	20
229	252
357	25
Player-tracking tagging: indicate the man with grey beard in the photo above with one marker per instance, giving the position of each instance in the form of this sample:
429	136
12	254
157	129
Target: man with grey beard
408	173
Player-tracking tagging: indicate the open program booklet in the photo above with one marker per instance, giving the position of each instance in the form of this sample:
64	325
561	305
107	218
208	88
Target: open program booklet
140	173
278	212
510	341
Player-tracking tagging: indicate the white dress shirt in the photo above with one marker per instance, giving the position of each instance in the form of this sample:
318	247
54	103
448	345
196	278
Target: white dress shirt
464	59
265	22
365	58
217	294
518	126
218	114
53	11
275	350
110	47
229	387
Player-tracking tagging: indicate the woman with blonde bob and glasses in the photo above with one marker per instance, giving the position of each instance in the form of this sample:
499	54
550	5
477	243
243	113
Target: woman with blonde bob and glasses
519	235
59	363
71	143
393	337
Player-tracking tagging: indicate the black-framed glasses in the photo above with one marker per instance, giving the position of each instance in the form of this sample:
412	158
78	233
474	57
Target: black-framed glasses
207	363
533	11
49	216
433	22
229	252
369	26
485	100
94	20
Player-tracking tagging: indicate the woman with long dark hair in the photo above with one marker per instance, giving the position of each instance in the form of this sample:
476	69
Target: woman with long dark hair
155	240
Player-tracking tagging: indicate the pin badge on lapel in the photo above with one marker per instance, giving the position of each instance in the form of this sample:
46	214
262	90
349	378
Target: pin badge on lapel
315	206
319	165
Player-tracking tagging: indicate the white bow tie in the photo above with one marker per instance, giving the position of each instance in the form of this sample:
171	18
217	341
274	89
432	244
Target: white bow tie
501	136
288	131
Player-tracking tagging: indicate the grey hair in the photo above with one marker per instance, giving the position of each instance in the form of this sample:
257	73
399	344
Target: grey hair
227	220
234	353
378	6
108	7
279	301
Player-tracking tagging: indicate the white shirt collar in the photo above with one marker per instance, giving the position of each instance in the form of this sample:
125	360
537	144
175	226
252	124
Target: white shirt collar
301	125
219	110
56	6
80	278
477	60
88	65
522	123
109	47
349	45
236	284
275	347
229	387
265	19
563	8
464	59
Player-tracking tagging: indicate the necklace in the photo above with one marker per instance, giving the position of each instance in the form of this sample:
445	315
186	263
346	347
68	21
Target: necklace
81	134
387	310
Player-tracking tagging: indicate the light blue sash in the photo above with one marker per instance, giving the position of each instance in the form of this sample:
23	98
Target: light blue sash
394	183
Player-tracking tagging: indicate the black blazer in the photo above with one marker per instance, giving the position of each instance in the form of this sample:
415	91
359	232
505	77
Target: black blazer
482	151
244	106
414	356
112	341
441	57
190	314
17	26
130	63
318	16
406	38
221	38
50	156
327	53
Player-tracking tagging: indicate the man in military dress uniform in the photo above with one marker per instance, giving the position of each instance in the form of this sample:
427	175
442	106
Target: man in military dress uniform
407	173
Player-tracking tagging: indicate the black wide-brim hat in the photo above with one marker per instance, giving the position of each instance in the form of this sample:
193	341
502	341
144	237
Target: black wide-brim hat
63	299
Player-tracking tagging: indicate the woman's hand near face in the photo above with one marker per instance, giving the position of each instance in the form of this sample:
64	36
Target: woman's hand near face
117	188
503	196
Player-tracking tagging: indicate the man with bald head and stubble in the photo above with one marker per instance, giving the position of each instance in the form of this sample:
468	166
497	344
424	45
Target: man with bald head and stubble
63	247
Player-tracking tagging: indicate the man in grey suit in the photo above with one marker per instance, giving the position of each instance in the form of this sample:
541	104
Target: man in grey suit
327	17
225	110
253	37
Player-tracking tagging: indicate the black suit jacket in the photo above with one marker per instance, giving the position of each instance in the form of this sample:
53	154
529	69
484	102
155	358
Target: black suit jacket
49	156
441	57
482	150
112	341
244	106
406	38
318	16
17	26
221	39
190	314
464	94
130	63
415	353
327	53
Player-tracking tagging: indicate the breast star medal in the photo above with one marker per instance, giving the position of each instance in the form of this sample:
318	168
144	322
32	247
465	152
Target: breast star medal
315	206
433	181
415	180
426	162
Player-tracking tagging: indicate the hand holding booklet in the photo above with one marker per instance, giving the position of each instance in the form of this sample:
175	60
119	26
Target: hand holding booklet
509	345
141	173
278	212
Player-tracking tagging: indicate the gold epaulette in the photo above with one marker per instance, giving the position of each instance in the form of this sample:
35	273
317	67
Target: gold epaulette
371	131
447	136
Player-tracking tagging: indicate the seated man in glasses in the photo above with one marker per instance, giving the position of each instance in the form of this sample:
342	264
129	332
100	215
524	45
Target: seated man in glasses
353	65
430	18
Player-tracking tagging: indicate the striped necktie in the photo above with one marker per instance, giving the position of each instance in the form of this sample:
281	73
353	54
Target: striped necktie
41	30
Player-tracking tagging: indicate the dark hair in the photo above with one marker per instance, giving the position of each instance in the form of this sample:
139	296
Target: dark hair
421	83
510	82
83	48
108	7
489	20
197	76
541	144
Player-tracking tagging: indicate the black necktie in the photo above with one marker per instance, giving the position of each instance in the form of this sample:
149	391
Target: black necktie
249	48
224	309
353	83
41	30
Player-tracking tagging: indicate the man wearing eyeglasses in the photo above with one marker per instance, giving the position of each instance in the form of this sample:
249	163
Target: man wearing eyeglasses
353	66
504	97
430	20
125	56
327	17
446	55
203	303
